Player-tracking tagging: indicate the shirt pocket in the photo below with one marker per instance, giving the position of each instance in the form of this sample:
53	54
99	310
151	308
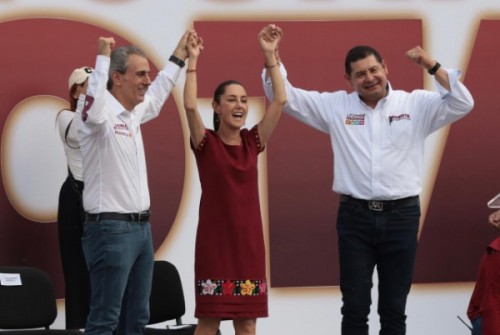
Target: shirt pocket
401	133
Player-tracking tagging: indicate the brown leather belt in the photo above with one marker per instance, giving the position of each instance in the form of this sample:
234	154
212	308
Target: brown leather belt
132	217
382	205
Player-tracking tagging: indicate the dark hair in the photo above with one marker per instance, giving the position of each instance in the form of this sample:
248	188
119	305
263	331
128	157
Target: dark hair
119	60
72	100
357	53
219	91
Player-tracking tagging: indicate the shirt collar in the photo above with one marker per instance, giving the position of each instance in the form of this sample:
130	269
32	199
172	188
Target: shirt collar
115	106
387	96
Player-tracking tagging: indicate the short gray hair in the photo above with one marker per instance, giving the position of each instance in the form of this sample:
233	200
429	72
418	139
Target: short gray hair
119	60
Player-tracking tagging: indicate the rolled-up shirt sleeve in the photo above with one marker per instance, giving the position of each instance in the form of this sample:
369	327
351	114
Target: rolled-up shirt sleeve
454	104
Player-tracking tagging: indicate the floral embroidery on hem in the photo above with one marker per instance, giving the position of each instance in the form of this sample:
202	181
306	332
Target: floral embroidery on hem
247	287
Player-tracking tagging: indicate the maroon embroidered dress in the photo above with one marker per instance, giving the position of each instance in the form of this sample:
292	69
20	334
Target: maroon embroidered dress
230	254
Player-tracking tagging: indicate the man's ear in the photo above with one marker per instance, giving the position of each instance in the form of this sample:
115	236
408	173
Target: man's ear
116	78
348	79
386	68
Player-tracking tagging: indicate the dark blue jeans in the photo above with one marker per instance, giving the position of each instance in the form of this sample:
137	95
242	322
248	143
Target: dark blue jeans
120	258
477	326
387	240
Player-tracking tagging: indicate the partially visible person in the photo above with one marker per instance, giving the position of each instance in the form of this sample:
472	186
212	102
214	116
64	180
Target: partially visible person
70	214
378	138
117	239
230	270
484	305
494	219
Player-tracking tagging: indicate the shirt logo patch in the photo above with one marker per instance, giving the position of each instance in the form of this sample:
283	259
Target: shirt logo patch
122	129
86	106
355	119
400	117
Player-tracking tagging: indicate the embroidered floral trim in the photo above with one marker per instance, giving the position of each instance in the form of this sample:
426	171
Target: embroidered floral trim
232	287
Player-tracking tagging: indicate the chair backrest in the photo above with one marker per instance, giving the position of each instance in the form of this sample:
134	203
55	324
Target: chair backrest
29	305
167	296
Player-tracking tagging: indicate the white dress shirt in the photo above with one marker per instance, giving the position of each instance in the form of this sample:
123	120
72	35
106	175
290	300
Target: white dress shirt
114	164
378	153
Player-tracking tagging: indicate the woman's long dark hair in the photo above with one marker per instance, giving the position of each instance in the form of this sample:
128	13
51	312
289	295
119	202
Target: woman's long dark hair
72	100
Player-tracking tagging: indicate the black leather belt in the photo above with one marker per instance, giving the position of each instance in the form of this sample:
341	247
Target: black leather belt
382	205
132	217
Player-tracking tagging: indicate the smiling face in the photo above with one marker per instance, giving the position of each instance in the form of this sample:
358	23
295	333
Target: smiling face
130	87
368	78
232	107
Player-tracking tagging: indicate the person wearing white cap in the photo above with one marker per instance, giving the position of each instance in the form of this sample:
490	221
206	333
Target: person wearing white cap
70	213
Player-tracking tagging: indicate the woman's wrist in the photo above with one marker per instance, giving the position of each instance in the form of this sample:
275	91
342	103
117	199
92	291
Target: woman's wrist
271	62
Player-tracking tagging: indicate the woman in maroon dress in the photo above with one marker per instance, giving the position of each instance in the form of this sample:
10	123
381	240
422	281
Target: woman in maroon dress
230	271
484	304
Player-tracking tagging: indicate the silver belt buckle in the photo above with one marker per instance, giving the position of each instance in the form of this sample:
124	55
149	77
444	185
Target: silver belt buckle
376	205
142	215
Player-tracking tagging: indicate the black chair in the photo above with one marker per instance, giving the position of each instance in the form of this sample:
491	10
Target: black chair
167	302
30	307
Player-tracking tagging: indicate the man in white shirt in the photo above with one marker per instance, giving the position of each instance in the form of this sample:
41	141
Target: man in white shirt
117	238
377	136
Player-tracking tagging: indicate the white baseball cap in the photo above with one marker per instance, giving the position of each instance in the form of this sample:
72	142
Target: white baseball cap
78	76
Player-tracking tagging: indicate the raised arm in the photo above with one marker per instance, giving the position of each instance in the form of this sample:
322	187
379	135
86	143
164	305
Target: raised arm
195	123
91	105
269	38
420	57
105	44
